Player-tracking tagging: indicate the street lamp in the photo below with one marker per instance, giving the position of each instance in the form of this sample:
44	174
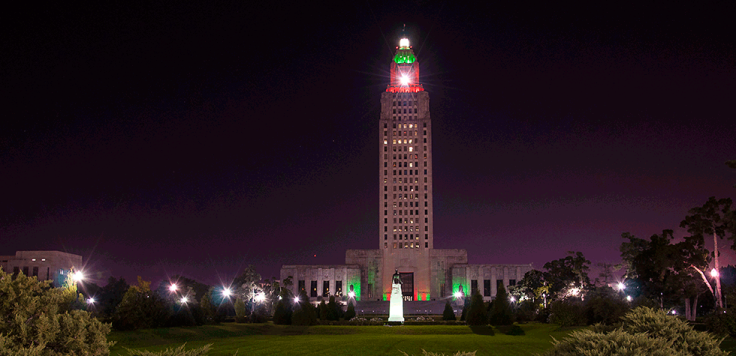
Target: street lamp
226	292
621	286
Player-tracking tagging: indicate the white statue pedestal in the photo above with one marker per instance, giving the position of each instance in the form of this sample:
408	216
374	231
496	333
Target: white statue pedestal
396	308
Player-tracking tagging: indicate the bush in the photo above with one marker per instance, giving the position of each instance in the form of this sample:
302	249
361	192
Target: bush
500	310
605	307
304	313
282	313
333	310
140	309
644	331
722	324
179	351
350	313
448	314
32	324
511	329
568	312
477	311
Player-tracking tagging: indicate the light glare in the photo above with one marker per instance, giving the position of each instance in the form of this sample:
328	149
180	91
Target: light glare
404	42
260	297
404	80
184	300
621	286
78	276
714	273
227	292
173	287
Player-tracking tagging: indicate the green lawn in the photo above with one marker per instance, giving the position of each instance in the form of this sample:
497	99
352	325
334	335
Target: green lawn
269	339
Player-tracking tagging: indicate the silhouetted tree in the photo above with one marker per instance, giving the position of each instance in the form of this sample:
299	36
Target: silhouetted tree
448	314
501	311
477	311
350	313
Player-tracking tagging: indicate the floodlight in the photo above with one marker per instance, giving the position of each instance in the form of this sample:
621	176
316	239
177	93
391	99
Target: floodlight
260	297
78	276
351	294
404	42
458	294
296	299
714	273
512	299
184	300
91	300
227	292
404	80
173	287
621	286
628	298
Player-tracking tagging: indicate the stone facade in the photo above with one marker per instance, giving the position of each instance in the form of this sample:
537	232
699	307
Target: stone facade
406	229
46	265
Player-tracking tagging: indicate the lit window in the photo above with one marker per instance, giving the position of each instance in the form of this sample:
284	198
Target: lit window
33	259
43	260
411	149
394	142
410	141
410	125
385	142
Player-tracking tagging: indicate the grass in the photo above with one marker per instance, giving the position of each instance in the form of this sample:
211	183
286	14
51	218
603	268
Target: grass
269	339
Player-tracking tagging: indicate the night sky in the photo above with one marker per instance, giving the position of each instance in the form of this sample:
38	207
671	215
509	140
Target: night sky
162	138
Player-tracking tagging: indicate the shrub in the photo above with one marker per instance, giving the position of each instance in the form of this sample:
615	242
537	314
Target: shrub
304	313
350	313
721	323
477	311
32	324
644	331
140	309
605	307
282	313
448	314
500	310
333	310
568	312
511	330
179	351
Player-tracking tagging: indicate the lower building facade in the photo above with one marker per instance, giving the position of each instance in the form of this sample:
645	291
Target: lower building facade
45	265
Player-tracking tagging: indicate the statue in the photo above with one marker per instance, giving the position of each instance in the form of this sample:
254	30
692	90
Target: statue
397	277
396	306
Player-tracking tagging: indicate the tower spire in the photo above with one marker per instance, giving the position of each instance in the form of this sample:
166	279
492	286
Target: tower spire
404	68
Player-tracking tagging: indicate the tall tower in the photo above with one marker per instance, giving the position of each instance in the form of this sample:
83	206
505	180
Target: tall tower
405	179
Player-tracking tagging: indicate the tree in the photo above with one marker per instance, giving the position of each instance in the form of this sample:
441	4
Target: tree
350	313
532	286
33	324
567	275
209	311
333	310
140	308
110	296
246	282
659	270
323	311
501	311
448	314
477	311
304	313
713	218
240	310
607	270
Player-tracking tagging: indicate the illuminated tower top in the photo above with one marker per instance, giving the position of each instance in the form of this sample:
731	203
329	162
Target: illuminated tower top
404	70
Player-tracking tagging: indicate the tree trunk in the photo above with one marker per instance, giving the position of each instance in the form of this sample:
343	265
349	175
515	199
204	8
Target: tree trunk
719	300
694	309
687	309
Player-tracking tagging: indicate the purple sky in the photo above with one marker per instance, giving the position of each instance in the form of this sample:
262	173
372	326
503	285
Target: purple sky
166	138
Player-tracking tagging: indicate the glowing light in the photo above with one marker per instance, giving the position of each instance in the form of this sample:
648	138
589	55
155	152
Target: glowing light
296	299
512	299
674	312
260	297
628	298
227	292
621	286
714	273
173	287
458	294
91	300
184	300
404	80
351	294
404	42
78	276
